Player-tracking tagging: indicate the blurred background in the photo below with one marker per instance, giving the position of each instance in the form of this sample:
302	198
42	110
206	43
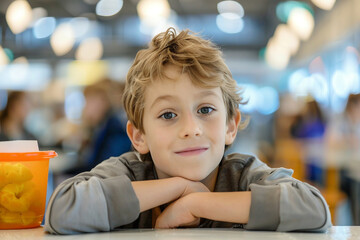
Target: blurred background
63	65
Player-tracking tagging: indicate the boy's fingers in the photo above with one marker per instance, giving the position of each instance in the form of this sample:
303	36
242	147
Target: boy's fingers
176	215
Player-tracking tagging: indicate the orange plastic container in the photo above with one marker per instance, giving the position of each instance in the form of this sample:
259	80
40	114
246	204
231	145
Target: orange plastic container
23	183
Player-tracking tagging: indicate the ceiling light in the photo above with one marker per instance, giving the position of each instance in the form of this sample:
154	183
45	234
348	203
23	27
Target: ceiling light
18	16
324	4
286	37
230	7
277	56
301	21
229	23
44	27
283	9
108	8
63	39
153	12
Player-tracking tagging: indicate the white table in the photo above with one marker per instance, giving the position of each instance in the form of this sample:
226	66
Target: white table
335	233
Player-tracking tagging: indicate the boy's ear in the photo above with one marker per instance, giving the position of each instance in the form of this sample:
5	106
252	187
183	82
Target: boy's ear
137	138
232	128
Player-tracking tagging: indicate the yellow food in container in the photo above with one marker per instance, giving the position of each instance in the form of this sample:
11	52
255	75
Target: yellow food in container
23	183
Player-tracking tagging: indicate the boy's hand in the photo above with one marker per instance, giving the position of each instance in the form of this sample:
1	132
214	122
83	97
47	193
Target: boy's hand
177	214
193	187
219	206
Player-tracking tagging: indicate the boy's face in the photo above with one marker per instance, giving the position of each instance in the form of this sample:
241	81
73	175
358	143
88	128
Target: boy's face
185	127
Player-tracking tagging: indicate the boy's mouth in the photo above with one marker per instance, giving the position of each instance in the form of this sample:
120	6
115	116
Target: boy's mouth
192	151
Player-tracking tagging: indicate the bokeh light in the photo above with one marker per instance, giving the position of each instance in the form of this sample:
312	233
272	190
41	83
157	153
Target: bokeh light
89	49
230	7
153	12
301	21
285	37
44	27
267	100
80	25
19	16
74	104
63	39
283	9
276	55
229	23
324	4
108	8
344	83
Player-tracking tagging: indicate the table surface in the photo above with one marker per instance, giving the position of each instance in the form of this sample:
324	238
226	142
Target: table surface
343	233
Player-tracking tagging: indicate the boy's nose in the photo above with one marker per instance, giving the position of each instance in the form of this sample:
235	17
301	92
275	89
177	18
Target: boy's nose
190	127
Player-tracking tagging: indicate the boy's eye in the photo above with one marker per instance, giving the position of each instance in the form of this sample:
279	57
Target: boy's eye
168	115
205	110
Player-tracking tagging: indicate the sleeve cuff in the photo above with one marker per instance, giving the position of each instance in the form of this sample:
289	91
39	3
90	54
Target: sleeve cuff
122	202
264	210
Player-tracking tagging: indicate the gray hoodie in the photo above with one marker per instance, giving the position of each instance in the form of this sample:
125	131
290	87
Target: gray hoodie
104	200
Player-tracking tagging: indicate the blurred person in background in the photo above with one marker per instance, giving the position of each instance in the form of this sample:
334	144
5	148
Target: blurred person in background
309	128
310	122
301	128
13	117
103	130
343	151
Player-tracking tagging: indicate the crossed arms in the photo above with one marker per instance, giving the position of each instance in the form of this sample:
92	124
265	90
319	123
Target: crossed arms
191	201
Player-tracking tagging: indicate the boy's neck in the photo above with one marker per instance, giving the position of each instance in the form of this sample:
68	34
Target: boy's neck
209	181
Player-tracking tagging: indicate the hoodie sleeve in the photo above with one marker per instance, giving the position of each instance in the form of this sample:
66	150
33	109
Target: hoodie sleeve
99	200
282	203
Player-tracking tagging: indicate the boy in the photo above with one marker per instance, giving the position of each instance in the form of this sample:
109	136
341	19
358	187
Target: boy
182	104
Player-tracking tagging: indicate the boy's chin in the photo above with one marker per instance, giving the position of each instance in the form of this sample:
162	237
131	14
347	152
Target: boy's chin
200	175
195	177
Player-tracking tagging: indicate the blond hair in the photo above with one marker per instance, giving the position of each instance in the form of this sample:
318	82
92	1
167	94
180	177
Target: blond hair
197	57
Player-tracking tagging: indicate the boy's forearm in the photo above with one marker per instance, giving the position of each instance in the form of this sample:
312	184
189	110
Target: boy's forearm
153	193
221	206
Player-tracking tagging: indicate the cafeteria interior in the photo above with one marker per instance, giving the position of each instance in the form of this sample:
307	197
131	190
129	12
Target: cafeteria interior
63	66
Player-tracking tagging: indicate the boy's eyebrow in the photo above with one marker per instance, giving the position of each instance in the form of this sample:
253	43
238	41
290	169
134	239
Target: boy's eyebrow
207	93
202	94
161	98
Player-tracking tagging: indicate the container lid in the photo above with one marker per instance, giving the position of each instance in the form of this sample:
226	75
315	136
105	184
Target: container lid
26	156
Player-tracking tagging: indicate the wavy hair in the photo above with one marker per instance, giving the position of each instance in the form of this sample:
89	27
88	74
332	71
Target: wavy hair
197	57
